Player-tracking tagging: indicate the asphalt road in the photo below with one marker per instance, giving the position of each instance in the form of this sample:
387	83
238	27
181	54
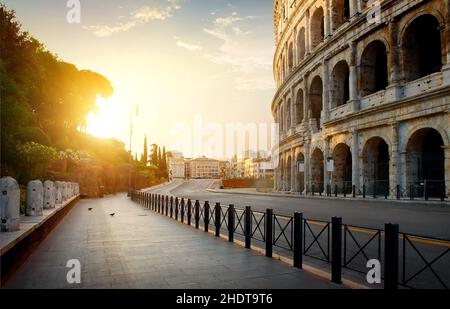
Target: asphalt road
414	218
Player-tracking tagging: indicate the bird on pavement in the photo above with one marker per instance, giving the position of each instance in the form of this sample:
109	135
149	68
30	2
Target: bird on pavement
89	209
112	215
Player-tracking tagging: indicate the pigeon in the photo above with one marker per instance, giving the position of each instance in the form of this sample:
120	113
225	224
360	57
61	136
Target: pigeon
112	215
89	209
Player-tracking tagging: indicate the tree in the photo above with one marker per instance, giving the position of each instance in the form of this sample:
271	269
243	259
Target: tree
164	163
154	155
144	158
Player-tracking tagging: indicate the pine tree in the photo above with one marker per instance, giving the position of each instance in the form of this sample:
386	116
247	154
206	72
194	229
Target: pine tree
144	158
164	163
155	155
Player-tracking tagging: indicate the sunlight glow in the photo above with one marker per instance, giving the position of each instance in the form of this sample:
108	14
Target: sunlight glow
103	124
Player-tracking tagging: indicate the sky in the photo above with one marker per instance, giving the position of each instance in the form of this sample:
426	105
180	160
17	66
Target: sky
180	61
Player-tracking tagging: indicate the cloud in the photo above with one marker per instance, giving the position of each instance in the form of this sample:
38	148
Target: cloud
189	47
242	52
142	15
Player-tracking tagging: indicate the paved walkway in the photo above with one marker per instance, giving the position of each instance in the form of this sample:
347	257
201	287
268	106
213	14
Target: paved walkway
140	249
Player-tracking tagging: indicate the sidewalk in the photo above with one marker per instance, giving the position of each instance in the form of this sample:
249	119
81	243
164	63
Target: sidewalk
380	199
136	248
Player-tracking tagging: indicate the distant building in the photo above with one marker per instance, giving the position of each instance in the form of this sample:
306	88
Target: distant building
204	168
224	169
258	168
176	168
187	168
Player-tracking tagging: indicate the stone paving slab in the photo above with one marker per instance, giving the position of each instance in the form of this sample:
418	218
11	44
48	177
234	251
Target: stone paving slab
137	248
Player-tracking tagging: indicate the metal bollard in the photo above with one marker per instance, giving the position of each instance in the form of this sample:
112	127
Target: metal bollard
269	232
298	240
182	210
336	250
391	256
189	211
197	214
248	227
206	215
217	219
231	223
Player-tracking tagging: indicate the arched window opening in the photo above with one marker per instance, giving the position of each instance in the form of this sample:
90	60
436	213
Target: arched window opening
340	84
374	68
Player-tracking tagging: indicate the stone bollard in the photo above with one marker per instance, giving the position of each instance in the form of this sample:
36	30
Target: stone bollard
70	190
35	198
9	205
49	195
77	189
59	192
65	191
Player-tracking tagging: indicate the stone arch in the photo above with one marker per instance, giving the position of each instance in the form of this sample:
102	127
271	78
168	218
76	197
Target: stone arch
317	170
299	105
340	84
422	47
375	167
340	12
317	27
342	175
290	57
301	44
300	175
425	163
425	125
373	68
315	100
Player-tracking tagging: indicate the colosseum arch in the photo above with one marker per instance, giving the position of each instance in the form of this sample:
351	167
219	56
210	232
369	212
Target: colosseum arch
425	161
300	175
340	84
373	68
375	167
317	170
288	173
340	12
290	57
342	175
422	49
299	104
315	100
281	174
317	27
301	44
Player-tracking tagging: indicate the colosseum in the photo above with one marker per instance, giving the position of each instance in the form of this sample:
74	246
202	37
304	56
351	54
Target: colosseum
363	97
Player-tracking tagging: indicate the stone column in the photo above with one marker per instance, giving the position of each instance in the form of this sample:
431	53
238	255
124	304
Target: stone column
35	198
305	99
293	109
307	33
295	49
395	164
353	79
307	173
355	159
325	91
447	169
326	177
393	92
327	17
354	10
293	171
446	67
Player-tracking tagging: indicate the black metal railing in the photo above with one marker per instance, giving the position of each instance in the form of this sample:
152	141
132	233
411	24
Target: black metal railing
408	260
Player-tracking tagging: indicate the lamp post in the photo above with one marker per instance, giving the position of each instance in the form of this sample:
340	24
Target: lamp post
132	114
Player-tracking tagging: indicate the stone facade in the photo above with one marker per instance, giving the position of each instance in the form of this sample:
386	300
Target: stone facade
366	87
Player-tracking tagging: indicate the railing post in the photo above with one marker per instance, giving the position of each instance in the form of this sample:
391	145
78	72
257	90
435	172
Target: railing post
398	192
177	202
391	256
167	206
231	223
312	190
158	202
411	192
197	214
335	190
217	219
189	214
182	210
354	191
269	232
336	250
425	188
298	240
171	206
364	191
161	204
206	215
248	227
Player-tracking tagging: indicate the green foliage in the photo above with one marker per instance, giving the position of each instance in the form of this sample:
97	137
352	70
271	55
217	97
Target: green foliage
34	158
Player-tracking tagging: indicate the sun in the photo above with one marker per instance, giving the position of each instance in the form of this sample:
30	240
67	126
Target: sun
104	123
